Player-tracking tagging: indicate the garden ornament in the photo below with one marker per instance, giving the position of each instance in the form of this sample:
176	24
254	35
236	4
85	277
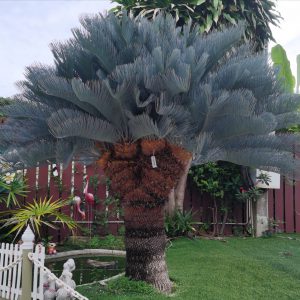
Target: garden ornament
89	197
46	282
51	248
50	292
77	202
62	293
69	265
66	277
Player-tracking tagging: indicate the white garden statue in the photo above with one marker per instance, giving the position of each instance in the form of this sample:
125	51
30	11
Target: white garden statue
62	293
66	277
50	290
57	291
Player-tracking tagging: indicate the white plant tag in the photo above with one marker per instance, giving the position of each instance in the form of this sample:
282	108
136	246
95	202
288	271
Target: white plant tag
153	162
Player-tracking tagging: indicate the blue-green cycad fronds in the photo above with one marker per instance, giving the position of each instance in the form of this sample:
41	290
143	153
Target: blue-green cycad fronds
123	80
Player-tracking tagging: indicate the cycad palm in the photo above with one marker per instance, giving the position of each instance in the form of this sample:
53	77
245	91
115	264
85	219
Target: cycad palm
124	90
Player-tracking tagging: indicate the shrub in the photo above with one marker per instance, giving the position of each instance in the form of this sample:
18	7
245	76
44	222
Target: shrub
179	224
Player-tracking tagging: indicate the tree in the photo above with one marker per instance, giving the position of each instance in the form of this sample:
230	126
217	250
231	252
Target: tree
209	15
141	98
3	101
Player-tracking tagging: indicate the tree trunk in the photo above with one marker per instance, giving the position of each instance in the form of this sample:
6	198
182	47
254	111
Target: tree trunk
145	242
170	205
181	185
224	221
176	196
143	174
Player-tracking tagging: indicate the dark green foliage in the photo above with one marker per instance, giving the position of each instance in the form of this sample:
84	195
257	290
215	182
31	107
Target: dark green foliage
152	80
209	15
108	242
252	194
4	101
220	180
179	224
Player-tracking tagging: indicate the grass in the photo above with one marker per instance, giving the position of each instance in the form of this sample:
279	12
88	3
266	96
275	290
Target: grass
244	269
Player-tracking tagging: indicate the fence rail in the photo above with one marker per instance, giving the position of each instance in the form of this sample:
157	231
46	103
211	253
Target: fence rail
10	271
23	274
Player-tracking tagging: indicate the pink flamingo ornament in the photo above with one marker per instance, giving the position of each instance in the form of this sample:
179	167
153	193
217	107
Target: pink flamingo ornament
90	200
89	197
77	202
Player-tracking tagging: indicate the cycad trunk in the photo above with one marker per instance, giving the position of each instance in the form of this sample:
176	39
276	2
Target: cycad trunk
144	183
145	243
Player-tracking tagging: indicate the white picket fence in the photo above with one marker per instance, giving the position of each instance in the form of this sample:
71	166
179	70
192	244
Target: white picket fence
22	271
11	270
10	277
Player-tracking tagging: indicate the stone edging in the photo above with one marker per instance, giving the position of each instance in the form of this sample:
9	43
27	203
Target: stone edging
84	252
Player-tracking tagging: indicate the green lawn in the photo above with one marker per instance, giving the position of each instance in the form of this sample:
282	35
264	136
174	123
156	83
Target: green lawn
264	268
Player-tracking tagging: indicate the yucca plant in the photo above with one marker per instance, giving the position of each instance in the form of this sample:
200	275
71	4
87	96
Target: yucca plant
141	98
42	212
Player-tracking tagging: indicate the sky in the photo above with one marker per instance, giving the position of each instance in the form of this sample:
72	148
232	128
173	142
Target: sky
28	27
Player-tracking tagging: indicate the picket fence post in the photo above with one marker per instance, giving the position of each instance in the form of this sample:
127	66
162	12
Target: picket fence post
27	247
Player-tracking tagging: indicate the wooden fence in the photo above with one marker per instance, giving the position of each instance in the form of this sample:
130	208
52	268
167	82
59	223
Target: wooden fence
284	204
202	206
70	182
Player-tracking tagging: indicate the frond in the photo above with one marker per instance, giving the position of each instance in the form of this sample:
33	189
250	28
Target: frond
97	94
143	126
71	123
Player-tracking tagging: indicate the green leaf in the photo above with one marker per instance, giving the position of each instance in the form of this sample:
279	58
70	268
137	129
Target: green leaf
216	3
280	60
208	22
242	5
230	19
197	2
298	73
